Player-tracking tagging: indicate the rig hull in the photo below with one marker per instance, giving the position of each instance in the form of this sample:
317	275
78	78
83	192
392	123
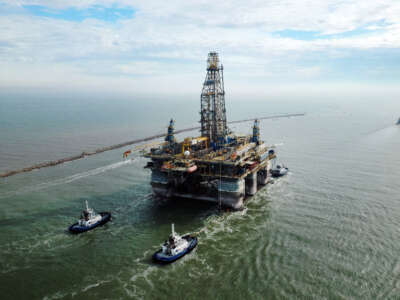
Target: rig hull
228	192
231	200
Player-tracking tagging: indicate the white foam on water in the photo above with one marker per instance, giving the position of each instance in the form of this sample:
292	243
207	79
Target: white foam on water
9	268
214	225
68	179
90	286
131	288
68	293
57	295
145	275
31	243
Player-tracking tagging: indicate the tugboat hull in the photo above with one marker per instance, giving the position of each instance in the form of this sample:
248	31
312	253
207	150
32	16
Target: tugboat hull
105	217
164	259
279	172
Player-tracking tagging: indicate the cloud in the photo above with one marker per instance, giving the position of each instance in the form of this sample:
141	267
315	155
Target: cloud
166	42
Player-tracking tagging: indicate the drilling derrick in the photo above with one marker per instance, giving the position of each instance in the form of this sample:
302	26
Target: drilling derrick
212	100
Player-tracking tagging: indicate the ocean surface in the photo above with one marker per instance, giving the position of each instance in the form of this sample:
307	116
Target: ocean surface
328	230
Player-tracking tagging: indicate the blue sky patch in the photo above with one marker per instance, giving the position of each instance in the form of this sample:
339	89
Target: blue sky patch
107	14
297	34
317	35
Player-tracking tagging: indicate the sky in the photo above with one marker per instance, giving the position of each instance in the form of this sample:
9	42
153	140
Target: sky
160	47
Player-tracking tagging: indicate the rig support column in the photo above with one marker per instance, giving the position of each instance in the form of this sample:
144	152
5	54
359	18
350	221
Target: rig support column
262	177
251	184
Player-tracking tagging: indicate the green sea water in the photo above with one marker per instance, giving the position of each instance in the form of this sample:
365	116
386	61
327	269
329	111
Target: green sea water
328	230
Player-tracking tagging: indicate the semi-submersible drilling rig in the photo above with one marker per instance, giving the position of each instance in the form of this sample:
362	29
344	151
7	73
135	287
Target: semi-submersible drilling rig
218	166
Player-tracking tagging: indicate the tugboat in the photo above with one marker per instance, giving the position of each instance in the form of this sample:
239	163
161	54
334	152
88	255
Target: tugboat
89	220
279	171
175	248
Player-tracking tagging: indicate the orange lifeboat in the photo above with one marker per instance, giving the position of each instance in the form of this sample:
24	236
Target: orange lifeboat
192	169
167	165
234	156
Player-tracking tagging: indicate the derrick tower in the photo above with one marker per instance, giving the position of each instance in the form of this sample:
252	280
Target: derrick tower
212	100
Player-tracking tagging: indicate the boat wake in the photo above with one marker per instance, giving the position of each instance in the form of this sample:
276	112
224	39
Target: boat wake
96	171
387	128
68	179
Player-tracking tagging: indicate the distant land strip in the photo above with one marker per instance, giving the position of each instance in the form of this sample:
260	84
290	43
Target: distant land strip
146	139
